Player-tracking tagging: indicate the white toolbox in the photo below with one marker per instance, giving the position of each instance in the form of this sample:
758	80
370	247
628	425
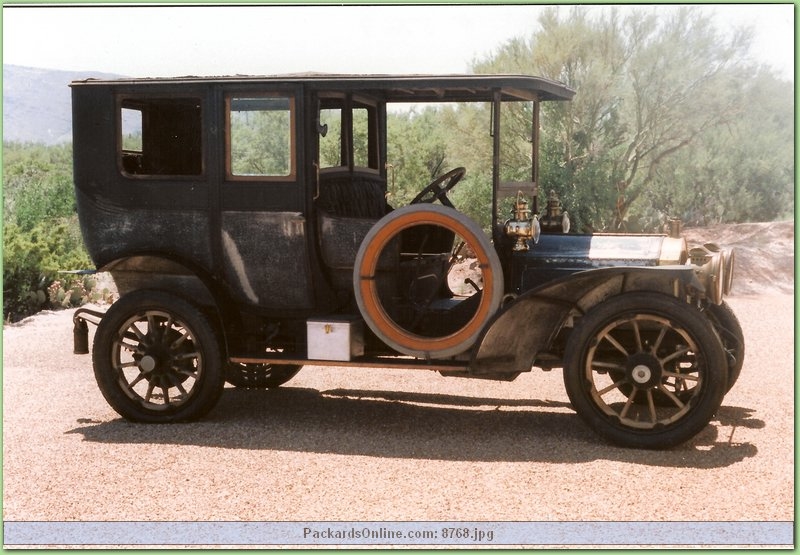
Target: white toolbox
335	338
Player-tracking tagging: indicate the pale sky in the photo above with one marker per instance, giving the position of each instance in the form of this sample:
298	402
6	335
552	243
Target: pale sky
146	41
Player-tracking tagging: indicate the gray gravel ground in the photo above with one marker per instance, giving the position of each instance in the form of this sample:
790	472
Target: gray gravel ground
387	445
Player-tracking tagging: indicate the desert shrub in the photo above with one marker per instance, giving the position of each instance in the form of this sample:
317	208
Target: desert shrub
37	183
32	264
41	235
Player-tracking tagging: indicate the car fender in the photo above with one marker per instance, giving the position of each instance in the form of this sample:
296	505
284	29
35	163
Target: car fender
528	324
168	272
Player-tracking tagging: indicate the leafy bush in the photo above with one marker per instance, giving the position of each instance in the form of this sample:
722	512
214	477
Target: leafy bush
32	261
41	235
37	183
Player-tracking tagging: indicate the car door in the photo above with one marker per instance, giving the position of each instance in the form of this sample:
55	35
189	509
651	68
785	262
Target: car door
350	187
262	198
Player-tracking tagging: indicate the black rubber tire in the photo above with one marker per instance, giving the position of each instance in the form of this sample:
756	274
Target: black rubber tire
656	333
730	332
260	376
151	339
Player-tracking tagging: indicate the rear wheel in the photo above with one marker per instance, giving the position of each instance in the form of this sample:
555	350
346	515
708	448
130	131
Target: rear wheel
645	370
157	358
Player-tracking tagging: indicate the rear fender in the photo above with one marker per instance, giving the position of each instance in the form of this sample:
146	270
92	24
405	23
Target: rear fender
159	271
529	324
182	278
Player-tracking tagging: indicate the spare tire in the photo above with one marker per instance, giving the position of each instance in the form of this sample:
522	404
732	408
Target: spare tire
368	292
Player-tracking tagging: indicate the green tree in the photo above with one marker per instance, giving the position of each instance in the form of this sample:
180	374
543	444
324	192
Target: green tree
417	152
743	171
654	93
424	143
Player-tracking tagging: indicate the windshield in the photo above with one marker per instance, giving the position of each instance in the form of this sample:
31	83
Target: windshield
427	140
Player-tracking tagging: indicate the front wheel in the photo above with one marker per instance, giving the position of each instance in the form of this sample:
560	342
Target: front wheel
730	333
629	354
157	358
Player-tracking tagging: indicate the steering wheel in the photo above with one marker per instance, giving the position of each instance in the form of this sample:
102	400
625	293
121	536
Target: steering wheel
439	188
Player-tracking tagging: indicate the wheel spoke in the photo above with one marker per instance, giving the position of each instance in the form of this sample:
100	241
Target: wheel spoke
682	377
611	387
137	332
186	356
179	341
149	392
676	385
129	346
651	406
638	336
675	355
608	365
165	328
184	372
674	398
661	335
615	343
137	379
152	325
628	404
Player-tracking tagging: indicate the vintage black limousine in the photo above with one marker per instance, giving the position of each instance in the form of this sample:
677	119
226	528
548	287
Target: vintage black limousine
248	226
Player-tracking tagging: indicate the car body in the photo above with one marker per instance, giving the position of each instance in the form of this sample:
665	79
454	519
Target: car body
246	224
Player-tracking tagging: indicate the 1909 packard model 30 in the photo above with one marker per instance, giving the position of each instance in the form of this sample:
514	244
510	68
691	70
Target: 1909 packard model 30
245	223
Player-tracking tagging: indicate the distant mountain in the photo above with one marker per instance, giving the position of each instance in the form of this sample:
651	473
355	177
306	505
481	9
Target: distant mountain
37	103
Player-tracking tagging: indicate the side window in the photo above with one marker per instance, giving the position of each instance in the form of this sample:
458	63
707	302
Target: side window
348	134
330	144
260	137
160	136
361	137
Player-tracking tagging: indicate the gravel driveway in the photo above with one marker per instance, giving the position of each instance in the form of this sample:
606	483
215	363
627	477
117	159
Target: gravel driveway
387	445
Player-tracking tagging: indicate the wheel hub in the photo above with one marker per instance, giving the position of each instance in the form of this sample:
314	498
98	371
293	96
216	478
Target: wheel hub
147	364
643	371
641	374
157	361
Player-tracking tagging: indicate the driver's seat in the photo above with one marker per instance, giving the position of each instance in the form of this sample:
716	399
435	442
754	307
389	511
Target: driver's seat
347	207
351	195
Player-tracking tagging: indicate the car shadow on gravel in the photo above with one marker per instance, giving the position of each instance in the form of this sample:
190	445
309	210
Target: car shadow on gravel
415	426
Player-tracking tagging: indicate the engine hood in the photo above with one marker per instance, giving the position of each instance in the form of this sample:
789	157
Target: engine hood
557	255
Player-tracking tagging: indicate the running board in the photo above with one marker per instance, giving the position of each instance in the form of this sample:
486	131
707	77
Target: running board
363	362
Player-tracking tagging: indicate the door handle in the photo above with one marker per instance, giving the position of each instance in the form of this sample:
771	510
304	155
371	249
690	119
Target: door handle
316	186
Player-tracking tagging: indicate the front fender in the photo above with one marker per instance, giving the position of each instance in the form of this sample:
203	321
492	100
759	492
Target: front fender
527	326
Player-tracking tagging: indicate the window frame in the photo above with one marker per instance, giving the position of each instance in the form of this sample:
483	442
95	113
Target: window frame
293	147
128	101
348	104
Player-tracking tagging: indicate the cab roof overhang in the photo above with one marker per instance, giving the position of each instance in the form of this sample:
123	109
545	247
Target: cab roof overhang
391	88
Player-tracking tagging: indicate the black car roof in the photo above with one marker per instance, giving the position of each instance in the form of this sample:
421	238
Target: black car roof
392	88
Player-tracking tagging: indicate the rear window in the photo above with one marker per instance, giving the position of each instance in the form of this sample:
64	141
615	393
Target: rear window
160	136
